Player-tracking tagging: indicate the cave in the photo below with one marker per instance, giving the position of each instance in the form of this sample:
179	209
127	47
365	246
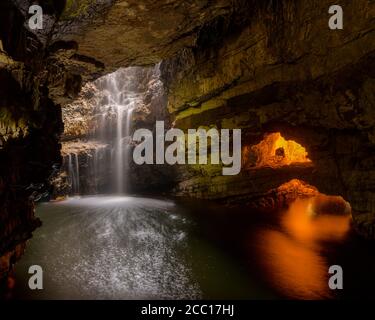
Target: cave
73	197
274	151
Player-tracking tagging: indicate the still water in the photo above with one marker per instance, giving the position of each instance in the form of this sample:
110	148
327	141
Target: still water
114	247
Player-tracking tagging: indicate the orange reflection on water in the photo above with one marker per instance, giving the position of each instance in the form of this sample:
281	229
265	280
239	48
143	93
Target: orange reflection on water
303	223
292	257
295	270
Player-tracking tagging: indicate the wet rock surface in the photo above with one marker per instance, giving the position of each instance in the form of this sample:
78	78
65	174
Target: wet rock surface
262	66
30	125
284	71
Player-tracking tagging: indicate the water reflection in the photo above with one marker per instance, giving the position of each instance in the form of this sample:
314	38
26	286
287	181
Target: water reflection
306	222
292	255
131	247
109	247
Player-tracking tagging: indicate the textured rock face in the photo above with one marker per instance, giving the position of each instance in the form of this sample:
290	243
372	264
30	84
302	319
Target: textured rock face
285	71
263	66
30	124
93	38
77	116
137	32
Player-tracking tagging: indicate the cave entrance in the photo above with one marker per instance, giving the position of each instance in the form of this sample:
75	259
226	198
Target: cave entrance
275	151
289	161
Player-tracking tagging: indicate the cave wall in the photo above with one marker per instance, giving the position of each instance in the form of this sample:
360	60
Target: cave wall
42	70
257	65
283	70
30	124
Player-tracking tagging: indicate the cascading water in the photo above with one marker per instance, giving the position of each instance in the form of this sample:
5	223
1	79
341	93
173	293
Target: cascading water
76	168
119	98
73	171
100	164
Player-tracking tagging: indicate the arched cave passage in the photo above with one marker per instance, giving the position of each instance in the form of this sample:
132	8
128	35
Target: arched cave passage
276	154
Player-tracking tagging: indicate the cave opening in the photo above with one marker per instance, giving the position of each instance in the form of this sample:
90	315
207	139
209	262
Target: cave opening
275	151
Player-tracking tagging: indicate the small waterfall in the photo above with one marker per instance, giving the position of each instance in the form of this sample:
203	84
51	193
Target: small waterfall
122	92
70	170
122	147
77	173
102	159
73	172
95	167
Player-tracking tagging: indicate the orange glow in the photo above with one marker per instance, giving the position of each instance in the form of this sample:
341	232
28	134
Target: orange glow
292	255
297	188
275	151
297	271
305	224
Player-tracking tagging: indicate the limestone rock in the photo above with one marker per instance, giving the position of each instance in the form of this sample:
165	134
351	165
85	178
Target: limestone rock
284	71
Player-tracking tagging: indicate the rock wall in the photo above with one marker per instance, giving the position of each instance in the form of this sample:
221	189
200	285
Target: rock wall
283	70
30	125
261	66
42	70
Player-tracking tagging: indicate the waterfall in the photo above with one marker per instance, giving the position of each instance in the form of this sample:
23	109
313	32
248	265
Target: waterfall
105	155
73	172
121	93
122	148
70	170
77	172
